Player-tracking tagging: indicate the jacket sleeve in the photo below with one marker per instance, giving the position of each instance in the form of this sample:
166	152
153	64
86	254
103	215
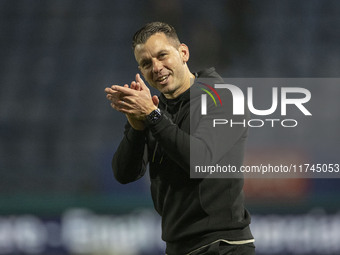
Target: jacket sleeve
130	160
204	145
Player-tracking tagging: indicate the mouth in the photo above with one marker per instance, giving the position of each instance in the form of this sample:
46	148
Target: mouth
163	79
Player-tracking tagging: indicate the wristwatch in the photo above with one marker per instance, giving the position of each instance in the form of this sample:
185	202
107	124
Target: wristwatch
154	116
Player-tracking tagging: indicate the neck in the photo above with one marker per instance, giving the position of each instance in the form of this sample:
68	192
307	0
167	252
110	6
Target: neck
190	79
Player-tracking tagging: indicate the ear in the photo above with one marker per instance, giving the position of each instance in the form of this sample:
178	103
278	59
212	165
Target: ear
184	52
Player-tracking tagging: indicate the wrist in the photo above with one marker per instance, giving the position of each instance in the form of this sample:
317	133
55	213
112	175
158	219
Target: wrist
135	123
150	110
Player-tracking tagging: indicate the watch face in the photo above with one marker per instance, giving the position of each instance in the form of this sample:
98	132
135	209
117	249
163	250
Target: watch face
154	115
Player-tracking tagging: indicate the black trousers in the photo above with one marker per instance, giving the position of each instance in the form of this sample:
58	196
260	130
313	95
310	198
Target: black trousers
222	248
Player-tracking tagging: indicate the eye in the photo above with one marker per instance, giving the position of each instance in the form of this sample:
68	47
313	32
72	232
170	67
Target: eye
145	64
162	55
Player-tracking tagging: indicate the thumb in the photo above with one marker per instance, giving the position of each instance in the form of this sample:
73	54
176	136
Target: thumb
141	82
155	100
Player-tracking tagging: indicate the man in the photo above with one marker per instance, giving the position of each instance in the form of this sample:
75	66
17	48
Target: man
202	215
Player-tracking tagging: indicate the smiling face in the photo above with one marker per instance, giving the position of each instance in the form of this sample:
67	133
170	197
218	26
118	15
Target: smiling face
162	62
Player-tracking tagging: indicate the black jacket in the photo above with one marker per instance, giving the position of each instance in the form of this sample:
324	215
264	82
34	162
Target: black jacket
196	211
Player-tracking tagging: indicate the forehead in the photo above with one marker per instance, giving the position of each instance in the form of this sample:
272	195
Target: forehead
153	45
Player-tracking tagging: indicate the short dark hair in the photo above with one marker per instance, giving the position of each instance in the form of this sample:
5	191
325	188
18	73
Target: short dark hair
143	34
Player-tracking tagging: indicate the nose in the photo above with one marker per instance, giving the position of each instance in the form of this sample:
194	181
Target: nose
157	66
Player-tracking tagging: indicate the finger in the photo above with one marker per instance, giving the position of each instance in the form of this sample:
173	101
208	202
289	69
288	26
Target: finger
114	96
124	90
138	86
110	91
155	100
141	82
126	102
114	106
112	86
115	101
111	94
133	85
122	110
121	106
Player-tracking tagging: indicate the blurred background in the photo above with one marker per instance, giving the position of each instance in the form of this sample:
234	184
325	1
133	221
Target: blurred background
58	132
